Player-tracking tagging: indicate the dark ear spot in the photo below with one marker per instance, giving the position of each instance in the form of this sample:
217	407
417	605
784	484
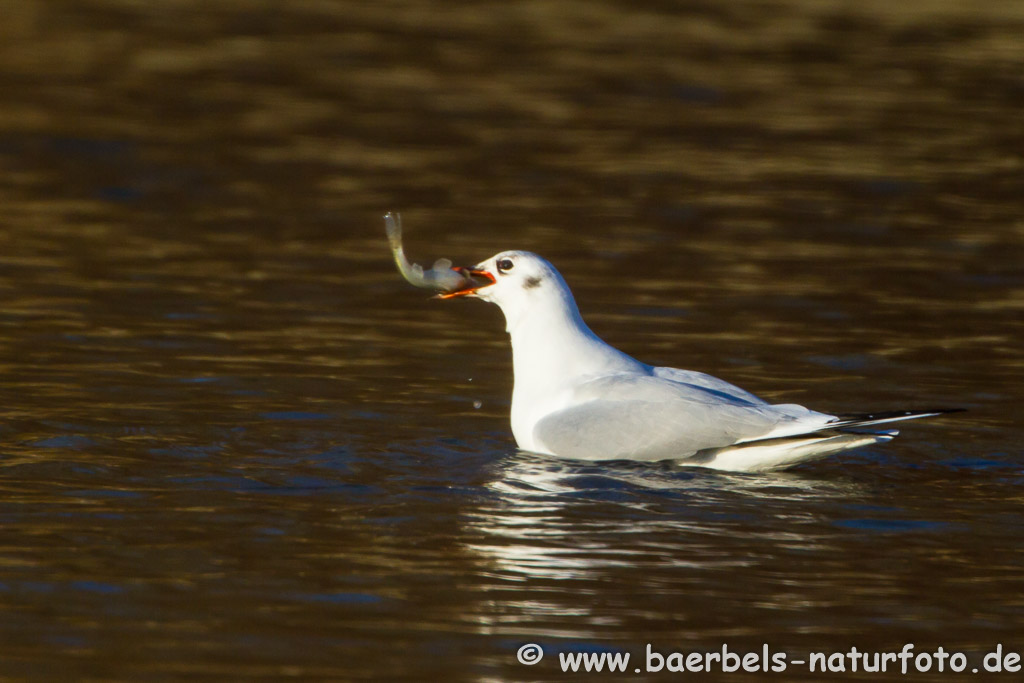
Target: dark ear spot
532	282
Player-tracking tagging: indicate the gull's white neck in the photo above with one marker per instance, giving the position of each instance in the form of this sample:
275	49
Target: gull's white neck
552	350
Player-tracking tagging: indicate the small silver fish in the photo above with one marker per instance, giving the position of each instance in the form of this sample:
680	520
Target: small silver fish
441	276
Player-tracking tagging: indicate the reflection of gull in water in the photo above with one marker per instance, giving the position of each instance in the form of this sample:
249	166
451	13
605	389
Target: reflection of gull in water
556	519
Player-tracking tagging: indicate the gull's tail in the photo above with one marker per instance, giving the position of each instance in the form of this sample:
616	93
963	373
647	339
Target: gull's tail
843	433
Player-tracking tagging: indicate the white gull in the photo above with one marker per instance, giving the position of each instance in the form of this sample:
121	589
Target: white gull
577	397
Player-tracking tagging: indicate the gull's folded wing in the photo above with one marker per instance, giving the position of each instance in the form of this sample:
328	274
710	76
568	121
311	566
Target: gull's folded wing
651	417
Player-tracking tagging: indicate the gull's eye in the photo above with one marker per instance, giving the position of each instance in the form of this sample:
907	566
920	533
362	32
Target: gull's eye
505	265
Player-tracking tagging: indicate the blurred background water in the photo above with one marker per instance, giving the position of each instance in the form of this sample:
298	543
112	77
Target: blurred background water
235	445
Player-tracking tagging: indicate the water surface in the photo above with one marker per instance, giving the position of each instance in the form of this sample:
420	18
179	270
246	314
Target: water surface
234	444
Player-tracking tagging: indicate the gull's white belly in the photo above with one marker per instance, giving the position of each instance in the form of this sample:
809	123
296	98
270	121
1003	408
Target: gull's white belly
527	411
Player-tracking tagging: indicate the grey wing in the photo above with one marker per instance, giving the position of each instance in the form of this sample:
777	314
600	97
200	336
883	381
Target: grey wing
706	381
652	418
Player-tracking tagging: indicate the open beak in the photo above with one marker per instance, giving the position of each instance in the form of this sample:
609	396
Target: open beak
477	279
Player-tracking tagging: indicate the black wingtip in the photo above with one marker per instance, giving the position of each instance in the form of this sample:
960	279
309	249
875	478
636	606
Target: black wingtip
890	414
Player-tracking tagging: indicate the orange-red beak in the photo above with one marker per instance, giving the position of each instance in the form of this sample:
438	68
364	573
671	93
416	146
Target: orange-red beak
478	279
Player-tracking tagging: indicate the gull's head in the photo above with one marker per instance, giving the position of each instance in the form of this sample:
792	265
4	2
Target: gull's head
519	282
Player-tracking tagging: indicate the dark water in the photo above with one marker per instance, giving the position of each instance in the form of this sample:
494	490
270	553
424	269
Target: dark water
235	445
